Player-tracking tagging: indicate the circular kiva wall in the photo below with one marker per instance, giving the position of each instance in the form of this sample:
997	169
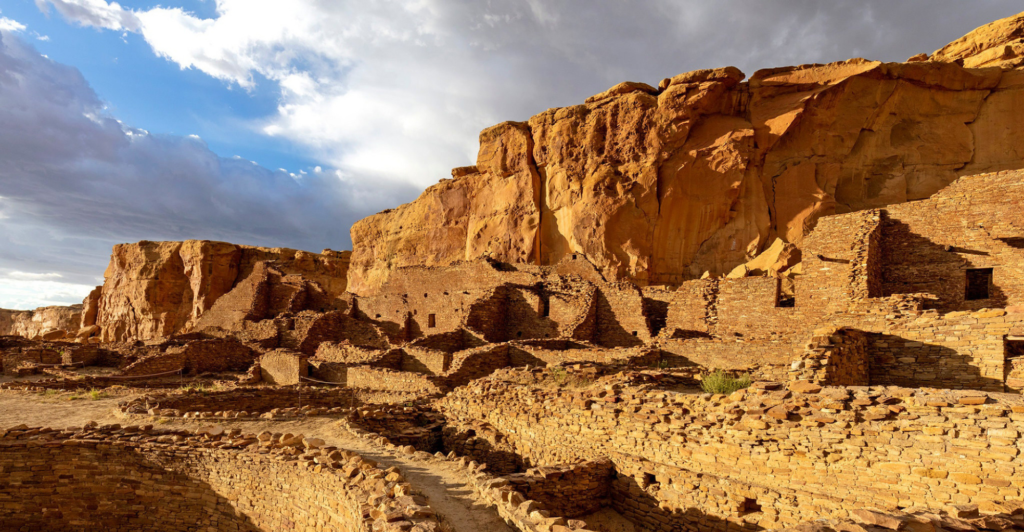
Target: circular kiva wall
117	480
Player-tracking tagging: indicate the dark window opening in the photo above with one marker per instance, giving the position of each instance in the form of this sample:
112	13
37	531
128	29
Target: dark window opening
979	283
545	306
378	315
787	302
749	506
519	334
574	257
432	320
649	480
424	295
634	333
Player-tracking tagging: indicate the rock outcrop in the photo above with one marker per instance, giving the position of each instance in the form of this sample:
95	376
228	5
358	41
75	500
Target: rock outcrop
152	290
659	185
49	323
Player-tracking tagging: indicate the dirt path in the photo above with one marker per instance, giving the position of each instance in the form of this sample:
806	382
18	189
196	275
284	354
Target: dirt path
440	481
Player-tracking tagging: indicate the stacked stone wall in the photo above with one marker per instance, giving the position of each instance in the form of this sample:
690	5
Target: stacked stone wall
136	479
826	452
197	357
567	491
976	222
386	379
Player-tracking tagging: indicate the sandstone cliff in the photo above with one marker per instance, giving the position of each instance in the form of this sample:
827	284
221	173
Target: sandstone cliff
659	185
52	322
152	290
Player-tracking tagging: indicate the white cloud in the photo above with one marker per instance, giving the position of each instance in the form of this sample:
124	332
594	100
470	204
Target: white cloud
93	13
7	24
26	276
21	294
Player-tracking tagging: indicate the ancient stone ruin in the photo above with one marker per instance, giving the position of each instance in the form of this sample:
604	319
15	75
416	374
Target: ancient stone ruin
792	302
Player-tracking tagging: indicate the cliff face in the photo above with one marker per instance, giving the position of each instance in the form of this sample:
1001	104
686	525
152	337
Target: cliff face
34	323
155	289
659	185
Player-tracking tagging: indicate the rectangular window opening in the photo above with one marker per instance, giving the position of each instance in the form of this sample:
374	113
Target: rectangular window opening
979	284
432	320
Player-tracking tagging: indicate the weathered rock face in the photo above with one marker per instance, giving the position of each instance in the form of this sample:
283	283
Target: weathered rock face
704	172
156	289
56	322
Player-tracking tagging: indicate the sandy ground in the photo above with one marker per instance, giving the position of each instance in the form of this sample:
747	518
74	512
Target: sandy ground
439	481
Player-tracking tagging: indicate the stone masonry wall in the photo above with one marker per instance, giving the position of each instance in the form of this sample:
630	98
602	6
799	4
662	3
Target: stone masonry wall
826	452
134	479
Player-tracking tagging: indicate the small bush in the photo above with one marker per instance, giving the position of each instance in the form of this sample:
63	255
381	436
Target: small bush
96	395
719	381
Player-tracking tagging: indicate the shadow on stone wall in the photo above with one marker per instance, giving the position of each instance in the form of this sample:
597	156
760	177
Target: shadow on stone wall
82	488
912	264
610	332
639	505
897	361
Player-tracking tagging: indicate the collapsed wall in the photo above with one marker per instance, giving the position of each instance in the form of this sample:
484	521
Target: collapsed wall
659	185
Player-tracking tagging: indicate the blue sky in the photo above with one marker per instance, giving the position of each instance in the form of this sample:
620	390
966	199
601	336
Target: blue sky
168	121
152	93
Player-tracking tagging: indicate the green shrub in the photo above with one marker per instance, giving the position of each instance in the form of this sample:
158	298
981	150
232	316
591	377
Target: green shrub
719	381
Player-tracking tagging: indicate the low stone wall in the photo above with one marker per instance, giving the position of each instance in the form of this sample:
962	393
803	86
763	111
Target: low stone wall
386	379
567	491
825	451
88	383
283	367
556	352
413	423
482	443
135	478
247	403
767	360
197	357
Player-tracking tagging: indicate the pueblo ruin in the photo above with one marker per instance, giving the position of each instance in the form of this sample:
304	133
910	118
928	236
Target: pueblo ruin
794	301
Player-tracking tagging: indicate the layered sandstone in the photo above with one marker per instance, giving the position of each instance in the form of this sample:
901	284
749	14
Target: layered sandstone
152	290
703	173
50	322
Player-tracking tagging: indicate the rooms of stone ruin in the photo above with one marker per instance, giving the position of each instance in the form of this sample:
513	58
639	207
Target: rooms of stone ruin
553	378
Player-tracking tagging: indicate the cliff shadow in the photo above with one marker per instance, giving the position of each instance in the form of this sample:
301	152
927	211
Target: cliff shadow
898	361
123	488
611	333
963	278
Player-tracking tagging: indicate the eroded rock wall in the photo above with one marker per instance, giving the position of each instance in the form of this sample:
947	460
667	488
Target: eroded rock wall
659	185
43	320
152	290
